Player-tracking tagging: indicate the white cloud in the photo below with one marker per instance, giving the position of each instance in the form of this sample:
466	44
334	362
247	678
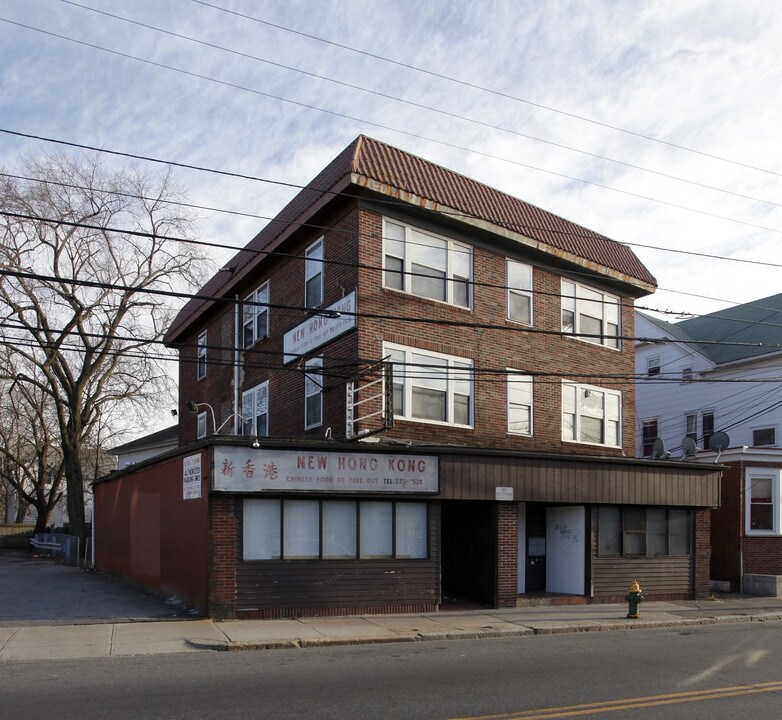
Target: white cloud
704	75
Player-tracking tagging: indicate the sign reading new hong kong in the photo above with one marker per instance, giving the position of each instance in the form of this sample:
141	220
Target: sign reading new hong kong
242	469
325	325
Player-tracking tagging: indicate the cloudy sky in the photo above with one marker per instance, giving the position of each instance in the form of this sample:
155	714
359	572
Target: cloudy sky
655	123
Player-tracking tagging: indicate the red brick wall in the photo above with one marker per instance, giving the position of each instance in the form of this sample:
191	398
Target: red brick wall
356	237
507	554
146	533
223	548
510	346
732	549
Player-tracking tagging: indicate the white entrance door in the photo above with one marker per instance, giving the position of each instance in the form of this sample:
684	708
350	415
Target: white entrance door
565	554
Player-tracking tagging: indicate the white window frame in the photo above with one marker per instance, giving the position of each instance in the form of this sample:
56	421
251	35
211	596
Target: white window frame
455	378
515	377
518	289
750	475
313	268
255	318
201	431
255	404
653	366
580	390
313	390
414	237
576	299
201	356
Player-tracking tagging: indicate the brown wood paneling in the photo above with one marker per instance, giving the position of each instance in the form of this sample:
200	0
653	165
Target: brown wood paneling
558	480
658	575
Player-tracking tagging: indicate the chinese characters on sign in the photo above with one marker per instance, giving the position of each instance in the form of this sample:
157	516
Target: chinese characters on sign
191	477
240	469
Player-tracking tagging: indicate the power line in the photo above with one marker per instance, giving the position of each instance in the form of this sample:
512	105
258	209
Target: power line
422	106
497	93
362	266
374	316
389	128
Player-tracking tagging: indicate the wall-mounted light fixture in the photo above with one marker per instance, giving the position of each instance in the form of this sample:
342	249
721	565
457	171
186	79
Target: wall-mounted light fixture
194	407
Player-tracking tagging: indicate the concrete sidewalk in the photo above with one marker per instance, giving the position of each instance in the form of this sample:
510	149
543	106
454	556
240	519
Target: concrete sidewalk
178	636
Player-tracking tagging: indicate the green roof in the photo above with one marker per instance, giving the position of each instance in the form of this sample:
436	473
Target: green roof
747	331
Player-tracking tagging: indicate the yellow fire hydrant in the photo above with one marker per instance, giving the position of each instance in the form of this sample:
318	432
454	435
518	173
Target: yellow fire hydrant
634	598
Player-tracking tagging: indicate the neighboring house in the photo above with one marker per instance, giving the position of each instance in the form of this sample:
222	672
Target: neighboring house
720	373
146	447
401	391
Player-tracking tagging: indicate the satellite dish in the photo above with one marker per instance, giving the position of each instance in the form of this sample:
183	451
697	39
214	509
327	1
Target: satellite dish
689	447
658	450
719	441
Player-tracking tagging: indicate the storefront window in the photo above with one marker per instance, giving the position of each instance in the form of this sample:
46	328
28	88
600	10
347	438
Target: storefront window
293	529
301	523
411	530
643	531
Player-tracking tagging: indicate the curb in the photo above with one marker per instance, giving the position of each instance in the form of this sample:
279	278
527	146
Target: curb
514	632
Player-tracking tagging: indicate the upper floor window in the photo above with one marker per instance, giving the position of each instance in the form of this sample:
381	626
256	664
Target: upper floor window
687	374
431	387
591	414
707	425
255	411
519	404
313	274
761	501
653	366
591	315
691	426
519	281
201	356
255	316
764	436
648	436
201	431
426	265
313	393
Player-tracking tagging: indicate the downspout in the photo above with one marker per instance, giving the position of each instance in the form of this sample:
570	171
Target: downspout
237	330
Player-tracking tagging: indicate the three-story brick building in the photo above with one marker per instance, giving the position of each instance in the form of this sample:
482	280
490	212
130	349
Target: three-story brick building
411	387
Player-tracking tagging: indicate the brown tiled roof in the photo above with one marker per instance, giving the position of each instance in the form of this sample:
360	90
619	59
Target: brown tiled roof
385	165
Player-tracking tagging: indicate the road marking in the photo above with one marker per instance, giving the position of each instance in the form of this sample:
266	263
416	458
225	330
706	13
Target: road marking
633	703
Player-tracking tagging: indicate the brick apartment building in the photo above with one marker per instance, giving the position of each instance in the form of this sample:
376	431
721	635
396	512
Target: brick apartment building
408	388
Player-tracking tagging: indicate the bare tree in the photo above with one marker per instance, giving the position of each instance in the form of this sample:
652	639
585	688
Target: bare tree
77	318
30	458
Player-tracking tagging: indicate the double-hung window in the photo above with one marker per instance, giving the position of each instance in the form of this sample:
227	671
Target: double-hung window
313	275
589	314
591	414
519	404
707	425
201	356
519	282
201	431
761	501
426	265
313	393
431	387
255	411
255	316
648	436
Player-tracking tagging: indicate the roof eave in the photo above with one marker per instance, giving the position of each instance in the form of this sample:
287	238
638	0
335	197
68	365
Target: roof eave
642	287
